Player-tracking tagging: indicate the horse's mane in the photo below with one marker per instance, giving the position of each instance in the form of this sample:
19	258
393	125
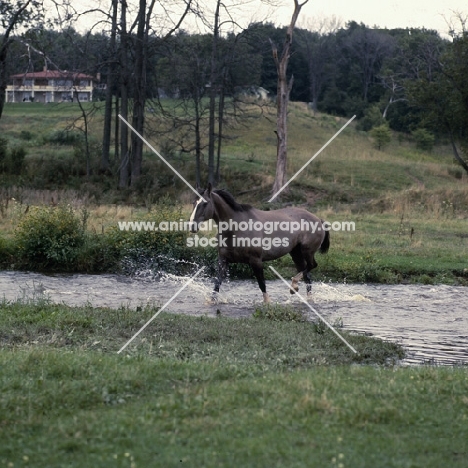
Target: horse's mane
229	199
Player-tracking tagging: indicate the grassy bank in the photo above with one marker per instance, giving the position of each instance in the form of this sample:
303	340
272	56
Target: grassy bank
410	207
215	392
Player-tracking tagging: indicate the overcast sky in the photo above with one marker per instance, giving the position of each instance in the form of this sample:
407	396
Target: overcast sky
391	13
430	14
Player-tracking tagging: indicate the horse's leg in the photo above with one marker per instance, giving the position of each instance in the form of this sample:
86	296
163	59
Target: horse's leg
222	270
311	264
300	263
294	282
257	267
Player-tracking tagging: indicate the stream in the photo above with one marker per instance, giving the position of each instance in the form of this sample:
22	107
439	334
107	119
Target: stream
430	321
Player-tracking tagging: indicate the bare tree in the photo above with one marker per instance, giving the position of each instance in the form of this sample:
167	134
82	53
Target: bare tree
111	76
282	100
13	13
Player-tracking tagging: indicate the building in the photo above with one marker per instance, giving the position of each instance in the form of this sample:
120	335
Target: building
51	86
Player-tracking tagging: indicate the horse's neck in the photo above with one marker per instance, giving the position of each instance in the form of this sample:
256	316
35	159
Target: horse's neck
222	211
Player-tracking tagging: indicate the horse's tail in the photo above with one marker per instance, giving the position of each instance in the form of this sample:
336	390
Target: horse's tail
325	243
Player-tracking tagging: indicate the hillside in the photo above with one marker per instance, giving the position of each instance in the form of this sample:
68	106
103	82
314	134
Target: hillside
410	207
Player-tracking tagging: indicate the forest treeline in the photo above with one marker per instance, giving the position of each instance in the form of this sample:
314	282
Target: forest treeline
409	80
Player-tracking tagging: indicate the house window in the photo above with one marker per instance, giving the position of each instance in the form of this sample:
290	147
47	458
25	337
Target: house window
83	97
64	83
67	97
28	83
84	83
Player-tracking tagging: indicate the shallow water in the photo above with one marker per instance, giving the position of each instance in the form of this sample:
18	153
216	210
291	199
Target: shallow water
430	321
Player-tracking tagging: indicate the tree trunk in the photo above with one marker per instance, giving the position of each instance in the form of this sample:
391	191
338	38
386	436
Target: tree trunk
106	139
220	132
139	94
3	72
213	92
457	154
117	130
124	77
282	100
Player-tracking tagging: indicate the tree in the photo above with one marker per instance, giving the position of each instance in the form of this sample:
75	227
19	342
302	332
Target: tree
284	87
111	78
382	136
14	13
443	96
318	42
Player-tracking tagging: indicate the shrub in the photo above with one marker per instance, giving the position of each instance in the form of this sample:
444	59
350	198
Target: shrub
372	118
49	237
424	139
382	136
16	162
3	153
26	135
64	137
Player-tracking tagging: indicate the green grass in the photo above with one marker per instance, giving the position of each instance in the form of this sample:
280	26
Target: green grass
410	207
215	392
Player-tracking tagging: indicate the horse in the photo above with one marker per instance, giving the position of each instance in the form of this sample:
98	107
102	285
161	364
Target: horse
252	236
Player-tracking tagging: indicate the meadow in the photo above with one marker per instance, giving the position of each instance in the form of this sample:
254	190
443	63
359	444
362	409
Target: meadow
268	391
410	207
205	392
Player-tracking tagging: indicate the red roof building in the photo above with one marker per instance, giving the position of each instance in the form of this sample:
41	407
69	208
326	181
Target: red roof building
51	86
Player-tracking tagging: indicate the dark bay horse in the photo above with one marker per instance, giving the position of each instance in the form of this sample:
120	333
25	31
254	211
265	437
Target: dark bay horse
252	236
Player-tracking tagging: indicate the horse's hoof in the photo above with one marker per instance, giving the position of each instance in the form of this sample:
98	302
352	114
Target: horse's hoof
212	300
294	288
266	298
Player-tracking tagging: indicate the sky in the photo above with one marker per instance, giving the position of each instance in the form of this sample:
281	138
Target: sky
391	14
430	14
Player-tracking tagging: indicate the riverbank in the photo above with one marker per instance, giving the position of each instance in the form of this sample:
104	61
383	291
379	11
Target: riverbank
215	392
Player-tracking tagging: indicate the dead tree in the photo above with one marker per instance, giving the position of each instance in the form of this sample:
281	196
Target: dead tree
282	99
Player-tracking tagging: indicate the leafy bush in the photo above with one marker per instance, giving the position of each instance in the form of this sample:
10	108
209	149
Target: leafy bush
372	118
26	135
64	137
3	153
424	139
381	135
6	252
49	237
16	160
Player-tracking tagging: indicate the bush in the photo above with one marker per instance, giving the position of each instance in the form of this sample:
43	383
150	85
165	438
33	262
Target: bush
64	137
3	153
382	136
372	118
424	139
49	237
16	162
6	252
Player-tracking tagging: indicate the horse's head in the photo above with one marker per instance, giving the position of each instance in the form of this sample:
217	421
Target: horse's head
203	208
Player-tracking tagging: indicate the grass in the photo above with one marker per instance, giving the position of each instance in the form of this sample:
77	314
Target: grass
215	392
270	391
409	206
